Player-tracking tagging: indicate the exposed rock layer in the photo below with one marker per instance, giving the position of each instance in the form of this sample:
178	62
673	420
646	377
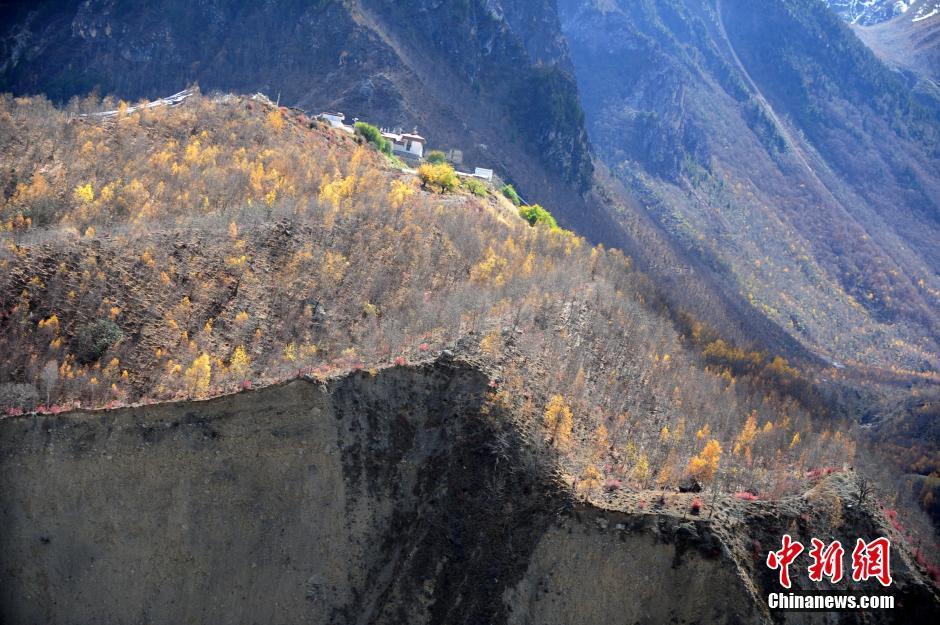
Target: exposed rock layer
399	496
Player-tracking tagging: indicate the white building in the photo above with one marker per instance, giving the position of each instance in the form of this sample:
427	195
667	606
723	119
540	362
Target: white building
478	172
406	144
336	120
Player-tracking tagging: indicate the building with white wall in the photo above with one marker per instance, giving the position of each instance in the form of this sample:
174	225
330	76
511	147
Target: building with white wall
409	144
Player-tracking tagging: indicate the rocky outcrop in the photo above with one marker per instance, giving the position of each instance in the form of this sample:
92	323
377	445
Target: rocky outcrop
867	12
397	496
367	500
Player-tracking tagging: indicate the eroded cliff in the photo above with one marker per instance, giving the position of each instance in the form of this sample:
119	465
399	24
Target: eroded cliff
393	496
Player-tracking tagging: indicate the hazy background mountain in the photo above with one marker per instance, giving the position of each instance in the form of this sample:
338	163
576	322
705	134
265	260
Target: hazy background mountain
909	41
870	12
867	12
804	174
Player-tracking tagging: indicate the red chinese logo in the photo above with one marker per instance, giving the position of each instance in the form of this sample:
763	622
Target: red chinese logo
826	562
783	558
872	559
869	560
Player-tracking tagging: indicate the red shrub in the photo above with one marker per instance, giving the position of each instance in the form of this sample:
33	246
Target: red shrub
400	361
612	484
696	505
892	516
816	473
934	572
932	569
745	496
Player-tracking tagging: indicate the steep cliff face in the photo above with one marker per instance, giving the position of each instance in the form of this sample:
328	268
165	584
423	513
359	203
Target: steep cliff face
402	496
489	79
385	499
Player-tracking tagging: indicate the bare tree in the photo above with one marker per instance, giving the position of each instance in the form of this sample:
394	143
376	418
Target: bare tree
865	488
49	377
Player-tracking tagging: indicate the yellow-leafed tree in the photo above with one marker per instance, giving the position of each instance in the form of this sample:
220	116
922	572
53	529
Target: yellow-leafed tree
240	362
704	466
559	422
199	375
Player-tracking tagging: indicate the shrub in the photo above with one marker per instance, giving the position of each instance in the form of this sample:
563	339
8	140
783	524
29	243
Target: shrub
93	339
536	215
374	136
892	516
745	496
18	395
822	472
696	505
436	157
511	194
438	178
475	187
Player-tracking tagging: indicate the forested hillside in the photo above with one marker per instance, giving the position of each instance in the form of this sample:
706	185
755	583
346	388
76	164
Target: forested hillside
697	305
226	243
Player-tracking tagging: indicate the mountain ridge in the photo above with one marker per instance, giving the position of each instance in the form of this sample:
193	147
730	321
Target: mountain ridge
872	12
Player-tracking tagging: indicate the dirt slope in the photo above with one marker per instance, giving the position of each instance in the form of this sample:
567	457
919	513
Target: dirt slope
399	496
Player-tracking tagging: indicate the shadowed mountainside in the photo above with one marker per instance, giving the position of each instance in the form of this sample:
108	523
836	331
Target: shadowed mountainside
804	176
461	72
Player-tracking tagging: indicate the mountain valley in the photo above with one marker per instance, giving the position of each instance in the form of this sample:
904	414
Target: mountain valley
688	302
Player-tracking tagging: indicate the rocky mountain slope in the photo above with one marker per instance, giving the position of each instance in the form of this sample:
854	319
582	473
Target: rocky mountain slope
187	251
489	79
905	35
499	88
867	12
871	12
908	44
497	81
741	136
404	495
